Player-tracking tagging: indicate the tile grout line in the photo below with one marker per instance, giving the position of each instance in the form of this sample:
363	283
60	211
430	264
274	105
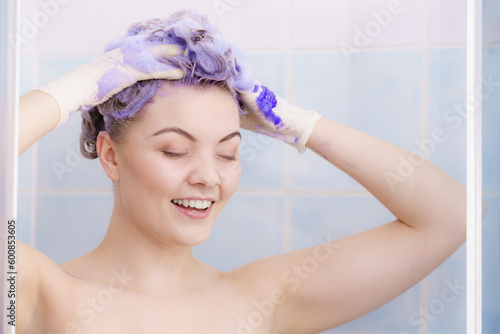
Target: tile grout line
491	193
94	54
104	191
70	191
34	170
74	191
360	193
288	78
426	121
34	196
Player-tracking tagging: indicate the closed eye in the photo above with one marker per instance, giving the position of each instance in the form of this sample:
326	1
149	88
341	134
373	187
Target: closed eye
173	154
228	157
180	155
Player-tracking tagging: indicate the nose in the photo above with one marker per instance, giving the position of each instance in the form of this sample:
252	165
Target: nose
205	172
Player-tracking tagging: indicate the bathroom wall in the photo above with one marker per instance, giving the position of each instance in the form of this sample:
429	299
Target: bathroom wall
392	68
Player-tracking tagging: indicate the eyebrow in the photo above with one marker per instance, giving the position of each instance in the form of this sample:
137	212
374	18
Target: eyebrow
190	136
176	130
230	136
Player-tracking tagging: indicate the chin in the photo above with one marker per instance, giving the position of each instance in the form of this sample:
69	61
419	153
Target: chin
193	235
192	241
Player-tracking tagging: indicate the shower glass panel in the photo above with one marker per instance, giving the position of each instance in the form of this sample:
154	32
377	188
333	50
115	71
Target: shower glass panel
491	165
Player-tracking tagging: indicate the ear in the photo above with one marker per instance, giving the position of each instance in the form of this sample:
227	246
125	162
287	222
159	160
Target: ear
106	150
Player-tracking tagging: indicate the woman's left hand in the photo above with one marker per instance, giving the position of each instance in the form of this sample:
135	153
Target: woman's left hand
271	115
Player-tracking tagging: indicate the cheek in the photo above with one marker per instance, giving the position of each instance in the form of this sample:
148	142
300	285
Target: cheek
151	175
230	177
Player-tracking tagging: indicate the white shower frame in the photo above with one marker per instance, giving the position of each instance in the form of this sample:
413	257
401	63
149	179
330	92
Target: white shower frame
9	150
474	166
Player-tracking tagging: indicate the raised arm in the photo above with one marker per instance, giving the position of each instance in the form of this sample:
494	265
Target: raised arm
361	272
39	114
138	58
419	194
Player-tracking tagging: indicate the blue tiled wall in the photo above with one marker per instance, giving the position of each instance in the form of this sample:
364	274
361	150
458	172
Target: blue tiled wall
400	87
446	112
73	222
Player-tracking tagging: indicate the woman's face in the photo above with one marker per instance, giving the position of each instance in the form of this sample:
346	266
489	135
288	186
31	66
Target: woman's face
178	164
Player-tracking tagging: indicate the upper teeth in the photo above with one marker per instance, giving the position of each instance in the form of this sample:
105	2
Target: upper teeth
198	204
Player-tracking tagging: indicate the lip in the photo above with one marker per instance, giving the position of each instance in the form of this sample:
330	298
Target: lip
196	198
188	211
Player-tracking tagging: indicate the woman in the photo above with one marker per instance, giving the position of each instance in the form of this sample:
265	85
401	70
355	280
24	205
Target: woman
162	111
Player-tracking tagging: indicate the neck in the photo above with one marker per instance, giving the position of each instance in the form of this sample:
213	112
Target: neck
153	264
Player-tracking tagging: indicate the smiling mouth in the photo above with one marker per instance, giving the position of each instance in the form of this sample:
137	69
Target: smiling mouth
196	205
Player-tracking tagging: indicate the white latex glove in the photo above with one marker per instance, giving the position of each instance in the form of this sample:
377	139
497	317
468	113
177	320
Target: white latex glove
271	115
97	81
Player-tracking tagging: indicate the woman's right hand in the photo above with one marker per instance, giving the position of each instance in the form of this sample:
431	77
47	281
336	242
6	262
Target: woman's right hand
140	56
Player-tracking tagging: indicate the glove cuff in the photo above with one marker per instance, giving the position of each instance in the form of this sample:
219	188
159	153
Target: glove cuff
301	145
68	103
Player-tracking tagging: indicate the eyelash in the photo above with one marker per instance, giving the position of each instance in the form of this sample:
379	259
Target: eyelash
229	158
179	155
173	155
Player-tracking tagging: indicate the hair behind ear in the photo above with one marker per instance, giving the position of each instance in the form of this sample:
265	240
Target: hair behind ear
92	124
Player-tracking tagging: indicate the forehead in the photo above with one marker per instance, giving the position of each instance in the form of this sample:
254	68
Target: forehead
192	107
